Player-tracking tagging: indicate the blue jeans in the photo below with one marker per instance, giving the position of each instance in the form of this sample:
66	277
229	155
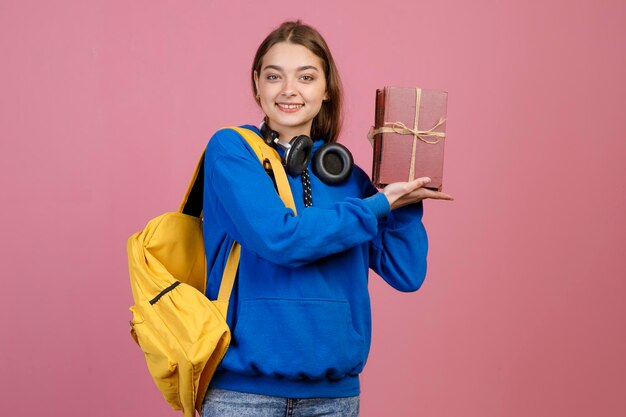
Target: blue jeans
224	403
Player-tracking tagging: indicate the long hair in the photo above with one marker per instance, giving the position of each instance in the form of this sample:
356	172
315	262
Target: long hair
327	123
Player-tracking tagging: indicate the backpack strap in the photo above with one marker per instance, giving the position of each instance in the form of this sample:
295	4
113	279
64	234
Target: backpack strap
192	204
228	279
268	155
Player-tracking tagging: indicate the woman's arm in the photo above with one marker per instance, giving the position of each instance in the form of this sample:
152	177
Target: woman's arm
253	214
398	252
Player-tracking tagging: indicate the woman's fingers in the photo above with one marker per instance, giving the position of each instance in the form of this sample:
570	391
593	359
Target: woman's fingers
416	187
402	193
424	193
438	195
417	183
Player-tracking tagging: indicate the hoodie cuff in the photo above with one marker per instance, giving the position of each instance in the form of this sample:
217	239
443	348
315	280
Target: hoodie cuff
379	205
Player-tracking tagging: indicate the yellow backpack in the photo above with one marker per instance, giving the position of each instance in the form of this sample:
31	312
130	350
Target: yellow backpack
182	333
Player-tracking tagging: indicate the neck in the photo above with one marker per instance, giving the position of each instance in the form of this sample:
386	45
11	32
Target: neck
287	133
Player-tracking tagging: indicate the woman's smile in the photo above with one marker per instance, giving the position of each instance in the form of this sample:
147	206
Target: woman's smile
289	108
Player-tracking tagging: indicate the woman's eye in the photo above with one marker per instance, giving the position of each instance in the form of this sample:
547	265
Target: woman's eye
271	77
307	78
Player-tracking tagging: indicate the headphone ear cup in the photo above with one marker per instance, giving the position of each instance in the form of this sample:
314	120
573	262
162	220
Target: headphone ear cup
297	157
333	163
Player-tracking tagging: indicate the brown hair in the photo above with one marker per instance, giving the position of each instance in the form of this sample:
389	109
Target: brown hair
328	121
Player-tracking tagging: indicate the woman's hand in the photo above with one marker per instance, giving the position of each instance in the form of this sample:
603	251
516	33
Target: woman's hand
402	193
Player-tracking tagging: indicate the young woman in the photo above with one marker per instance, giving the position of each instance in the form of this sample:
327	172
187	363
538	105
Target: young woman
300	309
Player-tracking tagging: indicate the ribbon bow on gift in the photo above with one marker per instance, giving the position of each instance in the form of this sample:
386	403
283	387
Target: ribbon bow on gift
402	129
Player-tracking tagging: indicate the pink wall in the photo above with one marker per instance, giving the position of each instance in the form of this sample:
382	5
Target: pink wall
105	106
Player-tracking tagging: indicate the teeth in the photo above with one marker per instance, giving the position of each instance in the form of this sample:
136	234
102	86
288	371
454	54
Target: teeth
290	106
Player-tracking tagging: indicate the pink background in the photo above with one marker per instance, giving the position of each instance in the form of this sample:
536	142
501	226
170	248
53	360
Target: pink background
106	105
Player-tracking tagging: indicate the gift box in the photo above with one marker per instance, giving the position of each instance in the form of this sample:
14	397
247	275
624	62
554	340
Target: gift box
409	135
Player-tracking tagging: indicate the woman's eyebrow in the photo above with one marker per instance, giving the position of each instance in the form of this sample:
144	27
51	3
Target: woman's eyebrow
279	68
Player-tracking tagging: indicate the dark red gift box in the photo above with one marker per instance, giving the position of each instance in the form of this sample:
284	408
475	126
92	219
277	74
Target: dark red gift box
409	135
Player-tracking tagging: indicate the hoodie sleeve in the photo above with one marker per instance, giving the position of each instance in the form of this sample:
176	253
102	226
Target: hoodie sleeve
398	251
254	215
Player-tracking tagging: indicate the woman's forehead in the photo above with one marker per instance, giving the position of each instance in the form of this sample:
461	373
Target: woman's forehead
290	57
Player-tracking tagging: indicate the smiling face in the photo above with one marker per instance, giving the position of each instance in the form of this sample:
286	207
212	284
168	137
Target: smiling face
292	87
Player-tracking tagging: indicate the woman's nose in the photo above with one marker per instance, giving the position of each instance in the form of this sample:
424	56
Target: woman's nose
288	89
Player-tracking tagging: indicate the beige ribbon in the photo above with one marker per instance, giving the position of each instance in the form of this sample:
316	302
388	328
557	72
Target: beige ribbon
401	129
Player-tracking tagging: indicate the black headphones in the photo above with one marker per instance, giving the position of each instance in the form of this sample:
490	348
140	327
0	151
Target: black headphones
332	163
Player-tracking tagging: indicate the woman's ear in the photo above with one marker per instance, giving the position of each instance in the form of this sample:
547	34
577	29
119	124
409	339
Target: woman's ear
256	82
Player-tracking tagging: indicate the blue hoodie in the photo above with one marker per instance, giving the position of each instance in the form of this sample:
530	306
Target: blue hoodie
300	313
